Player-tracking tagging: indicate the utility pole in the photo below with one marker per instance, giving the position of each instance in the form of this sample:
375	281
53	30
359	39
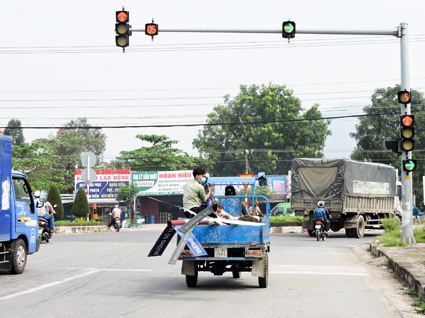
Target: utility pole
246	161
406	180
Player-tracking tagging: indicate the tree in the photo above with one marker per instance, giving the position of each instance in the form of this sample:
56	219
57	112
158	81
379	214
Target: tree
266	121
80	208
381	123
160	156
264	191
127	194
55	198
71	144
39	164
14	129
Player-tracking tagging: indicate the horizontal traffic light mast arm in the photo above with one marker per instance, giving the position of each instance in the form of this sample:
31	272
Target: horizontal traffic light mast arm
393	32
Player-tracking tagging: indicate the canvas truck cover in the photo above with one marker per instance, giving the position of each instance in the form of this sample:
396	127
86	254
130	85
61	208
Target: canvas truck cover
327	179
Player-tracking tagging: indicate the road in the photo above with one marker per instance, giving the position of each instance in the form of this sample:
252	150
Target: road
110	275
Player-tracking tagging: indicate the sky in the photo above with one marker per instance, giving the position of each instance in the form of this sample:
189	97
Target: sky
59	62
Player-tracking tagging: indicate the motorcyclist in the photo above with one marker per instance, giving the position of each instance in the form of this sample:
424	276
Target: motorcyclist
321	214
116	213
44	210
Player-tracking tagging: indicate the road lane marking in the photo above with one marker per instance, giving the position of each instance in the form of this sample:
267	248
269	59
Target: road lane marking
32	290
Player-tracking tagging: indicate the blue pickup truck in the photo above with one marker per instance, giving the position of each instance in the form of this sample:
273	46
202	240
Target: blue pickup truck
236	248
18	215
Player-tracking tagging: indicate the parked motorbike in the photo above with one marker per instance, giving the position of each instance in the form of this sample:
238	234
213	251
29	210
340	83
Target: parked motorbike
44	231
320	230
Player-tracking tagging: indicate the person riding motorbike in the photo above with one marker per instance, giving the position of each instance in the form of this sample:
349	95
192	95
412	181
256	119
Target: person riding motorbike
44	210
321	214
116	213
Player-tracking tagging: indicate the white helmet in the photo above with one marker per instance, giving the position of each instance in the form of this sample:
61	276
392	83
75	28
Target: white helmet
321	204
37	194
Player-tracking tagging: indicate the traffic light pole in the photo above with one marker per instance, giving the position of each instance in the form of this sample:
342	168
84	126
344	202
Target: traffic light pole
406	180
401	32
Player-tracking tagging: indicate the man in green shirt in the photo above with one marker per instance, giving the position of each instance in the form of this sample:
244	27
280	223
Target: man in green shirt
194	193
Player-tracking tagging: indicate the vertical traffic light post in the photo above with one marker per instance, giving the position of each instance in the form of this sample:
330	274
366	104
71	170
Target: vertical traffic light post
406	152
288	31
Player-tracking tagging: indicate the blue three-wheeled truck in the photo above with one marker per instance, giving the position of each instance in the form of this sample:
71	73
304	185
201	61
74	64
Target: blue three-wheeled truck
234	246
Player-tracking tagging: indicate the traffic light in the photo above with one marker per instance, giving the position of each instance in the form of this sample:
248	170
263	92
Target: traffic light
288	30
393	145
409	165
407	132
122	29
151	29
404	97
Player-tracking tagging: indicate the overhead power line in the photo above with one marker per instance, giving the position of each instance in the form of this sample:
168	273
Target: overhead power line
206	124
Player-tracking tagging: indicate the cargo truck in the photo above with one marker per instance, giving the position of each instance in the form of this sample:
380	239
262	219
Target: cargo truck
358	195
18	215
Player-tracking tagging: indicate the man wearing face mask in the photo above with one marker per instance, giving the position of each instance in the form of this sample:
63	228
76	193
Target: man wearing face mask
195	192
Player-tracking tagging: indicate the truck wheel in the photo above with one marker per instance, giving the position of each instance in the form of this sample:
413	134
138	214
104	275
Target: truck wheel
236	274
263	281
191	281
358	232
311	233
348	233
335	227
19	257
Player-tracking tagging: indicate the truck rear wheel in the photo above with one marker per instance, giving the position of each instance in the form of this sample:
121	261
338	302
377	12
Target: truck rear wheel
236	274
264	281
348	233
19	257
358	232
191	281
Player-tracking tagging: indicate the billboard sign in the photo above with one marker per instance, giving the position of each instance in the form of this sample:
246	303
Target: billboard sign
161	182
105	186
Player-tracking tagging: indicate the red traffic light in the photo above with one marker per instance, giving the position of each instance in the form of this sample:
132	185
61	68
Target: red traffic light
404	97
122	16
407	120
151	29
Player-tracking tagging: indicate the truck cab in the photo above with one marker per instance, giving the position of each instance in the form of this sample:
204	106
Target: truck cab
18	215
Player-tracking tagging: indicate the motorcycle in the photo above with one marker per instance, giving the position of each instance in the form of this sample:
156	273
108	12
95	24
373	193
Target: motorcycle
320	230
44	231
117	223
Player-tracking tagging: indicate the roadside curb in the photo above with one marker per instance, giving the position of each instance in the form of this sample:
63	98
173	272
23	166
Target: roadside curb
403	269
287	229
81	229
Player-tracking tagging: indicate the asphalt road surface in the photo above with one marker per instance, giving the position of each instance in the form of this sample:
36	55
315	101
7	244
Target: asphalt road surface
110	275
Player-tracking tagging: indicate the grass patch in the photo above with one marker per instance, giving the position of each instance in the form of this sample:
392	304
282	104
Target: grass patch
79	222
392	233
420	304
410	291
286	218
286	221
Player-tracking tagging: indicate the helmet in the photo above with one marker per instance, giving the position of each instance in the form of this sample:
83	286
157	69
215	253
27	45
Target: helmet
116	205
37	194
321	204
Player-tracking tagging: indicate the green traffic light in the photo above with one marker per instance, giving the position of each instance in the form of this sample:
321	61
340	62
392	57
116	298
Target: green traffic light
409	165
289	28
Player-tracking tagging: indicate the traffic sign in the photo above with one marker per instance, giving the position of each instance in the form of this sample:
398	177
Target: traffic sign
88	159
85	175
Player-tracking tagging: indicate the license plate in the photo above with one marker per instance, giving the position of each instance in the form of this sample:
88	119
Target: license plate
317	227
220	252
